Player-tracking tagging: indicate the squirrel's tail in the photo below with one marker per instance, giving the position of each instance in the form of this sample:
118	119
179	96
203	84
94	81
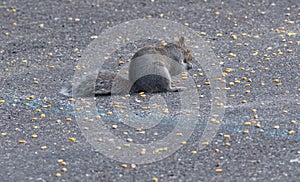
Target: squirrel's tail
102	85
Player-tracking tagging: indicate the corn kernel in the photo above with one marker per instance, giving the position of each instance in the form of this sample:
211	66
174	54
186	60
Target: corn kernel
226	136
155	179
248	123
219	170
245	132
22	141
291	132
132	166
227	144
72	139
41	25
144	108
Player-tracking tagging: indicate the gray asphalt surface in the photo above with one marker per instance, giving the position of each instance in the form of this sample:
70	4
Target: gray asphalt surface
256	43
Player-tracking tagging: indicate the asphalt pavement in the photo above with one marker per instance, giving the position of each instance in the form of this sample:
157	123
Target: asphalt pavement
254	43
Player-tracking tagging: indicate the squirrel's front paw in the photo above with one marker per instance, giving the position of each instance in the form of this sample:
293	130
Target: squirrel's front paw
177	89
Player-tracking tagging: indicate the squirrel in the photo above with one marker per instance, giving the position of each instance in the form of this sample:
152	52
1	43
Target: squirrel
150	70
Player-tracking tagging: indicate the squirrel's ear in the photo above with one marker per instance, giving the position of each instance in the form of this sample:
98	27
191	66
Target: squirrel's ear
181	39
176	39
181	42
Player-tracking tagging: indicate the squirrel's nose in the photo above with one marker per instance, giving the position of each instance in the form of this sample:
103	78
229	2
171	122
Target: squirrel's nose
189	66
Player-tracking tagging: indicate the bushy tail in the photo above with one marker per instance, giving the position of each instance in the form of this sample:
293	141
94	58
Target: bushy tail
89	86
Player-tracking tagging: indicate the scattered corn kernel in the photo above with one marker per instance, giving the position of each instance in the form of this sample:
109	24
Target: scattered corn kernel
144	108
72	139
234	37
291	132
204	143
132	166
228	70
179	134
219	170
226	136
232	55
155	179
94	37
248	123
22	141
166	111
124	165
41	25
143	151
163	43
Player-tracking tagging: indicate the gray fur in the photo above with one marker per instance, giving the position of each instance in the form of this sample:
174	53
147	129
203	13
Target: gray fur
150	70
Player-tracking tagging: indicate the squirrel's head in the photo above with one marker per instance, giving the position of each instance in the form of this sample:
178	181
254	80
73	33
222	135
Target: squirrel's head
187	55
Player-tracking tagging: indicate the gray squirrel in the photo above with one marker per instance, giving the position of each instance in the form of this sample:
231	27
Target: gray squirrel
150	70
